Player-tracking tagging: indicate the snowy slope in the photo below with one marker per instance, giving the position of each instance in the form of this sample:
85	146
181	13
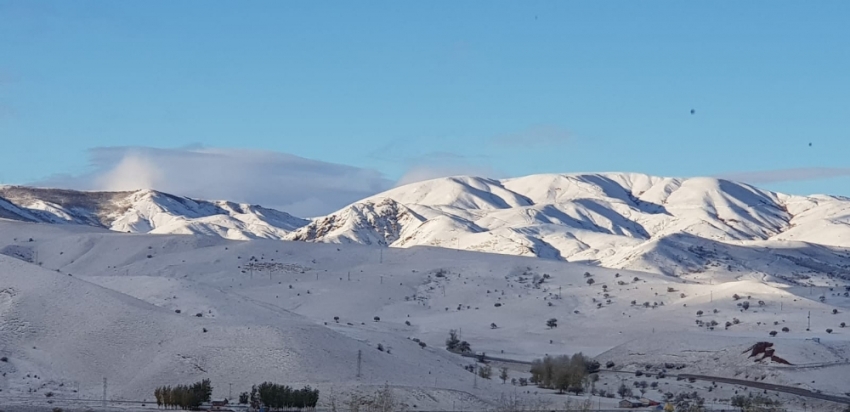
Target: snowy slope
614	220
62	334
679	227
145	211
100	303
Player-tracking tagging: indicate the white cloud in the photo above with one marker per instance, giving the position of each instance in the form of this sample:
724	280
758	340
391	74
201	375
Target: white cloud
434	165
786	175
422	172
302	187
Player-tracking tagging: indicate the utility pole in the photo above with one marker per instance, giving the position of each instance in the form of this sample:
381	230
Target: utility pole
230	392
382	279
382	256
349	276
359	358
104	392
810	321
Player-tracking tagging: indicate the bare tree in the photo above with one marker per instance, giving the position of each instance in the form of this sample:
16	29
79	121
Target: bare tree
503	374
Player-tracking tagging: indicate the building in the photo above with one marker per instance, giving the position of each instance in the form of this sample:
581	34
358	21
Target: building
625	403
220	406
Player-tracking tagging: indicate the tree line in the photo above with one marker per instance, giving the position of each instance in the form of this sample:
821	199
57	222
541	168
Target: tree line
564	373
275	396
183	396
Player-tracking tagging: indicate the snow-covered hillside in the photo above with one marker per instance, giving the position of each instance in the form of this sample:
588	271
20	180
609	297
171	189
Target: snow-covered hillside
682	227
79	303
145	211
664	225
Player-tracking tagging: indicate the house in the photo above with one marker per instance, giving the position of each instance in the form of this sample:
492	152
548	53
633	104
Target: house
625	403
218	406
648	402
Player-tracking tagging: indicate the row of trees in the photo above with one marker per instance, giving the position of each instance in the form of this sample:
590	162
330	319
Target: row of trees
564	373
275	396
755	403
183	396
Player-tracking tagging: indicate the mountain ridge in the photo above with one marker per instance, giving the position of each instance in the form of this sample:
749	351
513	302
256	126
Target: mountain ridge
616	220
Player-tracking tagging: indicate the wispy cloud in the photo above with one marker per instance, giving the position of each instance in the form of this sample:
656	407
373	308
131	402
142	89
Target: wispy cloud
786	175
419	166
434	165
300	186
536	136
418	173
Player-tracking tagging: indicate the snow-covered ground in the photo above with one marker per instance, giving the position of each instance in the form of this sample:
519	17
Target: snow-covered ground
78	304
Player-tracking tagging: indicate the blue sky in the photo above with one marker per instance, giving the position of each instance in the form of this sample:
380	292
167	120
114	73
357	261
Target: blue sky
430	88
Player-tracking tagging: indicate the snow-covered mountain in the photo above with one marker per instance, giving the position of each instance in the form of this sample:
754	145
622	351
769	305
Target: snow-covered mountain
667	225
673	226
145	211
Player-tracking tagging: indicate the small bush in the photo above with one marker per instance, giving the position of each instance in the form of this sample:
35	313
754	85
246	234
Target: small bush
376	319
4	359
785	329
422	344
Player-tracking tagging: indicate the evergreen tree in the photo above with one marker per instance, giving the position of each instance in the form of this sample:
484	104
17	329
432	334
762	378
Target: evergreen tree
452	342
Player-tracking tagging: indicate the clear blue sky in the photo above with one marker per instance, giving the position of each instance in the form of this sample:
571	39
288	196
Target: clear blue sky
513	87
